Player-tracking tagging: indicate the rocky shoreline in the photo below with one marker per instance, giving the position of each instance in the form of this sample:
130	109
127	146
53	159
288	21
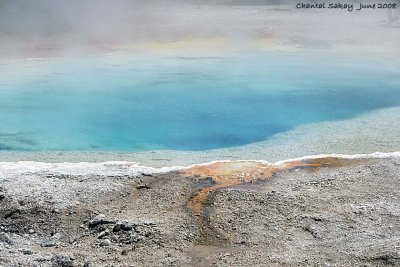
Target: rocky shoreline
342	215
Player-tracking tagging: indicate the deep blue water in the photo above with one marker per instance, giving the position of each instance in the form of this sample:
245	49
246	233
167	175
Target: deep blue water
140	103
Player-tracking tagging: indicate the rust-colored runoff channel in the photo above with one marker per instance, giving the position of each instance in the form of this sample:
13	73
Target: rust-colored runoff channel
226	174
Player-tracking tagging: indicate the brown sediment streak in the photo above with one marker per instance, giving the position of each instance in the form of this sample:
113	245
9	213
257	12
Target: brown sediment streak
227	174
320	162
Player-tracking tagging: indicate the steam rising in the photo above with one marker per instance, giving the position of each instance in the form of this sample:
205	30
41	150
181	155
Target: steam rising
27	25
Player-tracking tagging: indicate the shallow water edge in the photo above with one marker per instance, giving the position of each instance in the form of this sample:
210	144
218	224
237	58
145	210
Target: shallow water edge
366	134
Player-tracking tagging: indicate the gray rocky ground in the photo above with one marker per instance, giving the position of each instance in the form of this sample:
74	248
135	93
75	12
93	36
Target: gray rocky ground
345	216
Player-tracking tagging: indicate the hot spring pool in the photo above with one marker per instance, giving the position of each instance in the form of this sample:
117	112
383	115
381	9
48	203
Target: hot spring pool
128	103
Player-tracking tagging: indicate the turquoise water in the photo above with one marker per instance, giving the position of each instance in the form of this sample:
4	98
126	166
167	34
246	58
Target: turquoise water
133	103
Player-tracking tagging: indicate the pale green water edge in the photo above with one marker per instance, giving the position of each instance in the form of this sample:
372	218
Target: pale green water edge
376	131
